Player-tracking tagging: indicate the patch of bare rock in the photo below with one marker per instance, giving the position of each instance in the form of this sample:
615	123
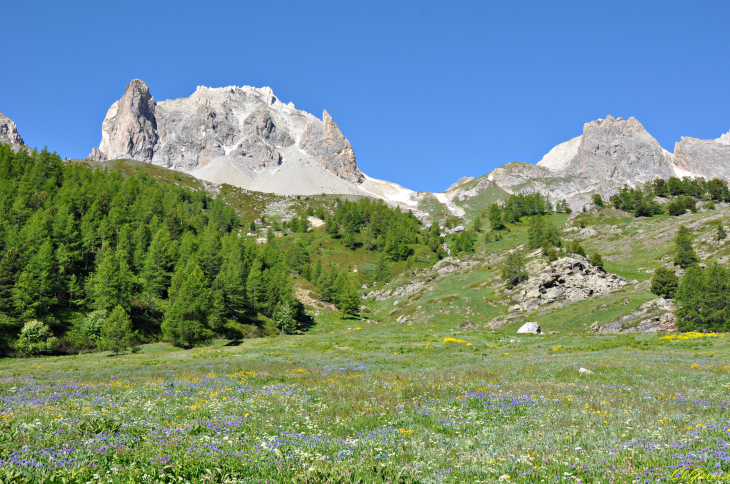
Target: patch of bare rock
567	280
653	316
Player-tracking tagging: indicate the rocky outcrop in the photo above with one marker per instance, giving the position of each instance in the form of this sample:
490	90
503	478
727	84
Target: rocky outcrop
325	143
569	279
9	133
129	129
653	316
236	135
702	157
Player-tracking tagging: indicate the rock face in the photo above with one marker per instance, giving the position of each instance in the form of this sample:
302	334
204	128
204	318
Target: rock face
620	150
567	280
9	133
701	157
129	129
243	136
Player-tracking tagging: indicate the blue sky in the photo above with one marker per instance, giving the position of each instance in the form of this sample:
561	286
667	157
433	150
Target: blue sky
426	92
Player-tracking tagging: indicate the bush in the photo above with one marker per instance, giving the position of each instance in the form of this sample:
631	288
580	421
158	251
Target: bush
664	282
36	339
92	324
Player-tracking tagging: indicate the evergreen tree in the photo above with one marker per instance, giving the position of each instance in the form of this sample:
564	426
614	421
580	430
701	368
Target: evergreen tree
514	270
597	260
721	234
112	281
349	301
576	248
117	333
702	299
255	287
664	282
188	321
382	272
285	319
208	255
331	228
478	224
10	267
686	256
598	200
155	276
33	291
675	209
495	217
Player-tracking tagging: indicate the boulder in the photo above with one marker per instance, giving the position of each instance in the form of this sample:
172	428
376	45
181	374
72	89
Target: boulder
530	328
585	371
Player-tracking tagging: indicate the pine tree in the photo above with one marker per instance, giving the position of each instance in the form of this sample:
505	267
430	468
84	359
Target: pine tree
514	270
597	260
576	248
664	282
285	319
255	286
155	276
478	224
112	281
34	290
495	217
686	256
349	301
721	234
188	320
10	267
382	272
331	228
208	255
117	333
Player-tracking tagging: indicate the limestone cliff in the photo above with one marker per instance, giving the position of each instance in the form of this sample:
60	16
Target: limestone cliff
243	136
702	157
9	133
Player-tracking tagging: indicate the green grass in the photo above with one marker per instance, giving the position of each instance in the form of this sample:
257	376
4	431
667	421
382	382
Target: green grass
373	403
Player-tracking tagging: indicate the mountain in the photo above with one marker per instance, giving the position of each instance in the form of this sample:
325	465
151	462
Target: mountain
9	133
243	136
706	158
611	153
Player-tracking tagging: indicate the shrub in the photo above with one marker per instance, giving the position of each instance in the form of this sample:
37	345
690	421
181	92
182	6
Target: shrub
664	282
36	339
92	324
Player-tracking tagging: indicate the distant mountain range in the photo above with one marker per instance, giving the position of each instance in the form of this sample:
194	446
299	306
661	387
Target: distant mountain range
247	137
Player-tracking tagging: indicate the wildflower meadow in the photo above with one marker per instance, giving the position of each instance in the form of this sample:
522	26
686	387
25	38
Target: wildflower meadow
371	405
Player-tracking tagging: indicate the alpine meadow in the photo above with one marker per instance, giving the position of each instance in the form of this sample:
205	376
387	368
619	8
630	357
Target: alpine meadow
210	284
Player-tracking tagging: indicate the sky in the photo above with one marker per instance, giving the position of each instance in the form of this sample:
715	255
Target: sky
426	92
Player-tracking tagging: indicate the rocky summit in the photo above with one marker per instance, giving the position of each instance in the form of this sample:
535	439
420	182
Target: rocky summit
9	133
243	136
611	152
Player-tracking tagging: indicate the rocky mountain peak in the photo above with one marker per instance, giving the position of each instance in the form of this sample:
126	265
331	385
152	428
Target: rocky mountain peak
725	139
9	133
236	135
129	129
618	149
